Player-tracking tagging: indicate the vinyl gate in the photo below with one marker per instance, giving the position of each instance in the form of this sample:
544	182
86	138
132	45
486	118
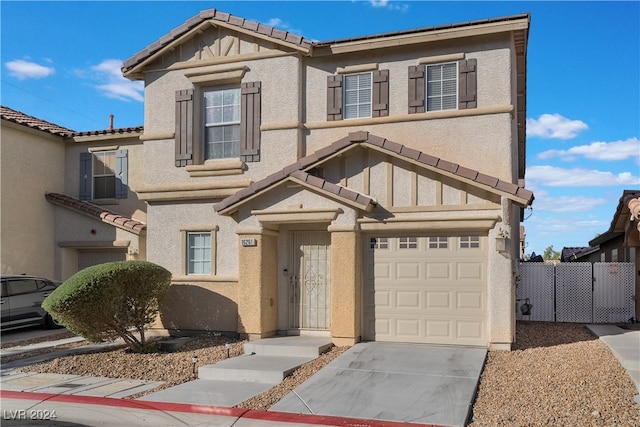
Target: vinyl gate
578	292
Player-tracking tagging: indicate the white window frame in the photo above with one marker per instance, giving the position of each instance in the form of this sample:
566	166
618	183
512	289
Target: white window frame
204	259
234	122
359	92
432	85
379	243
407	243
469	242
438	242
96	155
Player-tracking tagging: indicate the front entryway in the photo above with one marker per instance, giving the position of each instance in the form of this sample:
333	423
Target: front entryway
310	281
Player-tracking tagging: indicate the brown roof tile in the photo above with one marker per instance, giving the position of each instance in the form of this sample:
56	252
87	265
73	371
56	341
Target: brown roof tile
356	138
216	15
21	118
98	212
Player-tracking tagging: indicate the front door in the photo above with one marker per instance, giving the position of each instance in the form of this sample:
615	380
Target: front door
310	281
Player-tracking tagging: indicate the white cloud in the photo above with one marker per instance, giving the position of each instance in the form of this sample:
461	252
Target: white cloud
578	177
389	5
566	204
554	126
606	151
114	84
28	70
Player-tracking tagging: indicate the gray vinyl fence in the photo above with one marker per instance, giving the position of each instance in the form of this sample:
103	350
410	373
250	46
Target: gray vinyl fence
578	292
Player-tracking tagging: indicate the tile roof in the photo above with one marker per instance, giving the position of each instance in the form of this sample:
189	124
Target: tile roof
573	253
21	118
282	35
136	129
214	15
398	150
620	217
94	211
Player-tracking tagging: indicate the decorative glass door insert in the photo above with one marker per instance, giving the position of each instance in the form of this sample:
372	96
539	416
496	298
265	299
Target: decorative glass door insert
310	280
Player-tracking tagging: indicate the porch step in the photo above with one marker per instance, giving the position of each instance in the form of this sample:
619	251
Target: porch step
294	346
253	368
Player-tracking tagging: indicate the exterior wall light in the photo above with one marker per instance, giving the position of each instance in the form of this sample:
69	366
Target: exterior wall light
501	242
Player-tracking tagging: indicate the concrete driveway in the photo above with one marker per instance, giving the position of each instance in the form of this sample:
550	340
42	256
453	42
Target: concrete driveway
419	383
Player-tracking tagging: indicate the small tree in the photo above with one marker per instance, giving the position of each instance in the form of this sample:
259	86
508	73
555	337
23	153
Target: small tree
107	301
549	254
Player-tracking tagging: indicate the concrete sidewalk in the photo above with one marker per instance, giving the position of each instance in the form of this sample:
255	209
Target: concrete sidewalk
625	346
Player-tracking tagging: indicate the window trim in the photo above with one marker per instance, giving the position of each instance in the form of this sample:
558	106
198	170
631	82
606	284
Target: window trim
203	125
358	104
212	230
442	95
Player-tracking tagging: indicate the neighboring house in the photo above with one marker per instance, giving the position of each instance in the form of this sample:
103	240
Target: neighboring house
78	209
360	188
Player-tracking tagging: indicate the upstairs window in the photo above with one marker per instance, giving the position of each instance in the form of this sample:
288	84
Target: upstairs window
442	87
104	175
222	124
226	125
357	96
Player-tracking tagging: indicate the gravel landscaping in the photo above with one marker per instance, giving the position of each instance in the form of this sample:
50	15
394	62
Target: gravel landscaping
558	374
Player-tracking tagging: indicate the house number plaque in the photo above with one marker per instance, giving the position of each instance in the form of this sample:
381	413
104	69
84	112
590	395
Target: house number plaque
248	242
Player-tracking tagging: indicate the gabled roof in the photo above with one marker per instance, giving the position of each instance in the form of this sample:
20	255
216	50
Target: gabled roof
219	17
362	138
21	118
286	38
94	211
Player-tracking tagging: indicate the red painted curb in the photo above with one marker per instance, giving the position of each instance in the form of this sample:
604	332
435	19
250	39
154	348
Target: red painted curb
210	410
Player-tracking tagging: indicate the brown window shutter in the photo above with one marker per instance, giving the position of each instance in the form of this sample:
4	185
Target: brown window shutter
334	98
467	79
416	89
184	127
86	175
250	107
380	106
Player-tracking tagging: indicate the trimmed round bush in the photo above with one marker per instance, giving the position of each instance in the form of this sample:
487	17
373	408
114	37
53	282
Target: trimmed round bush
107	301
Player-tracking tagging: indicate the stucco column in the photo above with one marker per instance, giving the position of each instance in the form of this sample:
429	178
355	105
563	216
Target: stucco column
257	283
346	295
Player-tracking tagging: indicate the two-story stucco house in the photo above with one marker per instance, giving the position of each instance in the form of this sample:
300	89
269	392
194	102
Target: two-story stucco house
72	205
365	189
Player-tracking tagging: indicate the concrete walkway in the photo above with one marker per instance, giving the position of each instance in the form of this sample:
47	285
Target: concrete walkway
625	346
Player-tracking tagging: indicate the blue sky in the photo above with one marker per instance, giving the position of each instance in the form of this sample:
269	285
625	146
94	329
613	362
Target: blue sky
61	62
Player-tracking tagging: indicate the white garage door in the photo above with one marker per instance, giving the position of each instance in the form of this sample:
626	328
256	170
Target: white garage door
425	289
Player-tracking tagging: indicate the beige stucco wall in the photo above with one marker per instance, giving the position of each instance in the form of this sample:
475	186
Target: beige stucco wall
32	163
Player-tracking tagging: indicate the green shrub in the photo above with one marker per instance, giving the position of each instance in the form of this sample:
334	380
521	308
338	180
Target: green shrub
107	301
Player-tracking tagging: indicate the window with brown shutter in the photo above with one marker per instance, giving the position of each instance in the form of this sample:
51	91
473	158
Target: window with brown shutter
334	98
184	127
431	86
380	106
417	87
250	122
467	80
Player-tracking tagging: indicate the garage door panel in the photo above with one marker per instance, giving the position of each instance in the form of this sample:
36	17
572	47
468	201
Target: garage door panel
470	270
408	299
438	270
432	293
469	301
438	300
